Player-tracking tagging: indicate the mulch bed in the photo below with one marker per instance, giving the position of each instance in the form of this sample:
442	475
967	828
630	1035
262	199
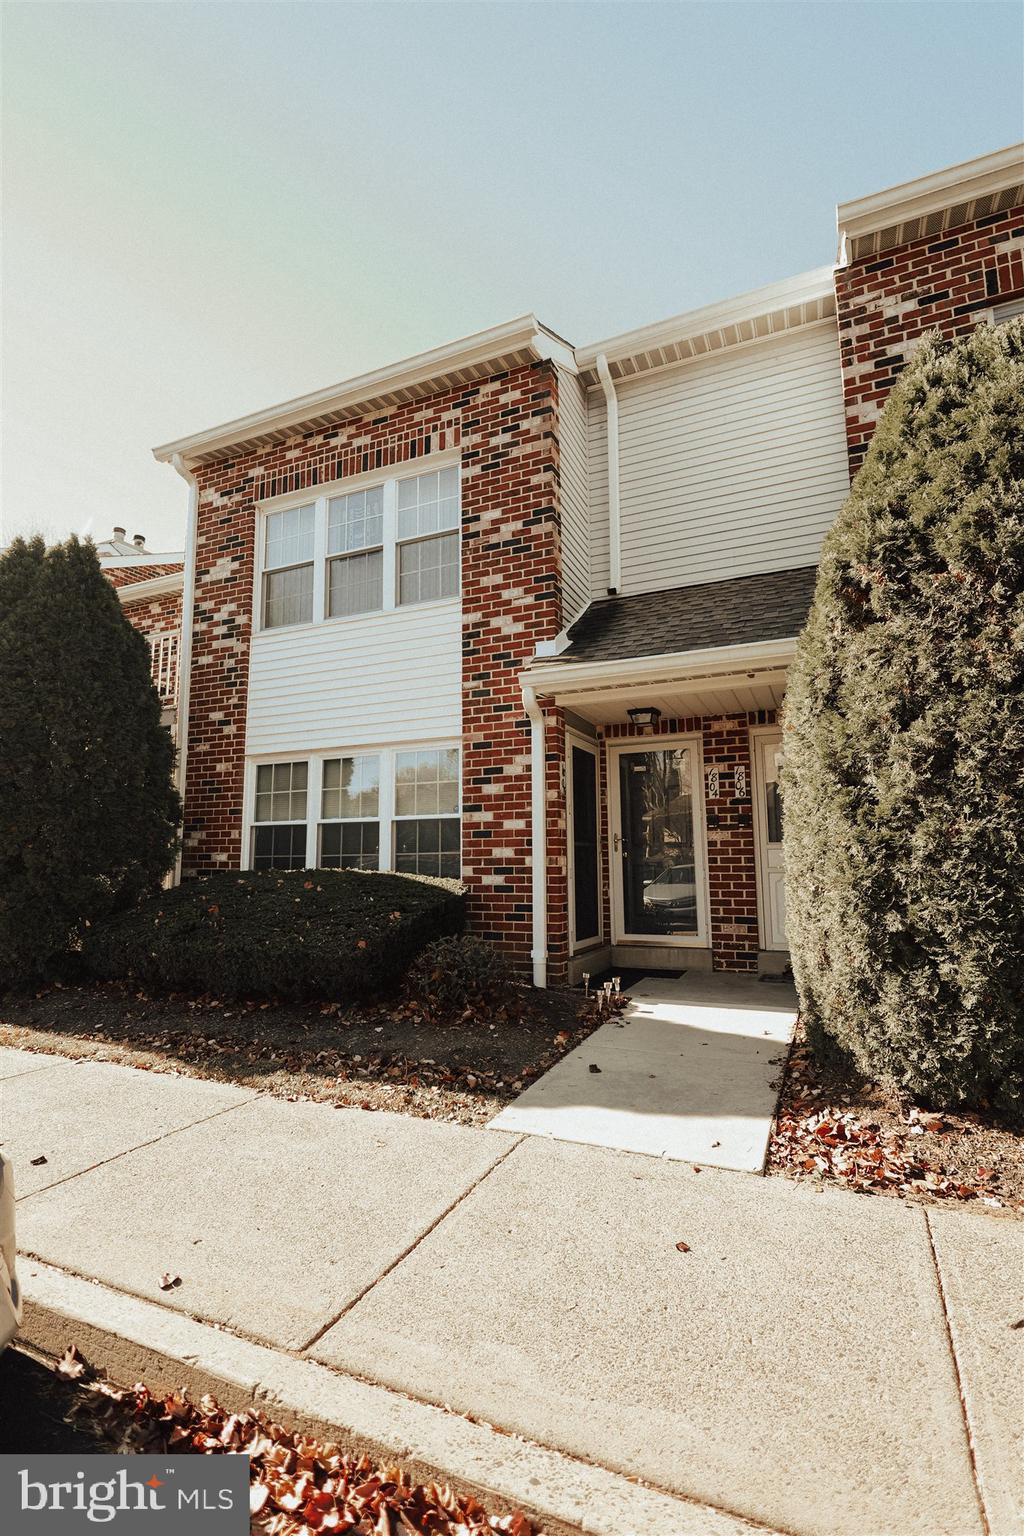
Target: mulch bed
838	1129
297	1486
395	1056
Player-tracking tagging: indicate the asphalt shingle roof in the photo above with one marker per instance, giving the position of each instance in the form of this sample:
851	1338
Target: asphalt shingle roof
741	611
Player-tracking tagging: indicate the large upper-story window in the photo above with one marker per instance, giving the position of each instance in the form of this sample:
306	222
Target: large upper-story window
288	567
377	548
397	808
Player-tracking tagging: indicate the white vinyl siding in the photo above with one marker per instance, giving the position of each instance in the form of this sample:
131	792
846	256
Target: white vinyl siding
729	465
361	682
572	415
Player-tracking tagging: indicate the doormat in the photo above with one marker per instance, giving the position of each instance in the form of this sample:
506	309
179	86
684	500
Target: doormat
628	978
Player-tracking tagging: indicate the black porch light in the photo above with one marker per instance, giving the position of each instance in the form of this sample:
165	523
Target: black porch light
645	717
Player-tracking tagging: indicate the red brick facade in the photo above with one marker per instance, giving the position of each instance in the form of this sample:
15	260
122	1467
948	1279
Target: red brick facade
885	303
505	430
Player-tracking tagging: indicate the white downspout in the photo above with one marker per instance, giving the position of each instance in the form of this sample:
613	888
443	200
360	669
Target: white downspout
614	501
538	836
188	596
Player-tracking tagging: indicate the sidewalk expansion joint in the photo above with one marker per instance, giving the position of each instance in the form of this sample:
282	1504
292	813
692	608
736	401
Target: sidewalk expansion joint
961	1392
127	1151
432	1226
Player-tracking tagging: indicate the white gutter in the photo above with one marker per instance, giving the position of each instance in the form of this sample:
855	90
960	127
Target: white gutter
525	334
538	808
614	506
156	586
185	645
551	677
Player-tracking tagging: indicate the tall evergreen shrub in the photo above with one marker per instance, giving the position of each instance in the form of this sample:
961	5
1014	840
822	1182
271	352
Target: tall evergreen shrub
88	812
904	742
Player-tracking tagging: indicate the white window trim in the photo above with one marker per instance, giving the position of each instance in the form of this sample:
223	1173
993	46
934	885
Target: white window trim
386	813
318	497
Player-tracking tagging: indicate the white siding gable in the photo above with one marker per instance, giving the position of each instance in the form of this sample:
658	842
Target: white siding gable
731	464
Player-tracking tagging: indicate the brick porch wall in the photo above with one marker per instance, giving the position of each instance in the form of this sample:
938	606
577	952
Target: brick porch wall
506	430
157	615
886	303
732	858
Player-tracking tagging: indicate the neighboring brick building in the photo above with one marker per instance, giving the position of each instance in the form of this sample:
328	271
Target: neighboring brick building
149	586
513	597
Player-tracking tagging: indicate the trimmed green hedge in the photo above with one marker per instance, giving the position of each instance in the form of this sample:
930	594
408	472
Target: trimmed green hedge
335	934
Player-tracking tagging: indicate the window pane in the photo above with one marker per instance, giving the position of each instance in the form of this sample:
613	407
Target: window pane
428	503
289	537
428	847
355	521
278	847
428	569
288	597
351	787
350	845
356	584
427	781
281	792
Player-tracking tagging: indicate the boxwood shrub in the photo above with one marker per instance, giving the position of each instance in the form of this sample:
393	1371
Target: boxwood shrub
333	934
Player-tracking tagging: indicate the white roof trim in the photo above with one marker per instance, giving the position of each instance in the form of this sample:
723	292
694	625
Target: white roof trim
564	678
807	291
954	186
524	335
156	586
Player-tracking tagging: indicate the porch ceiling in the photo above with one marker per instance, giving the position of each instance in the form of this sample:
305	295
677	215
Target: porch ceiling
714	691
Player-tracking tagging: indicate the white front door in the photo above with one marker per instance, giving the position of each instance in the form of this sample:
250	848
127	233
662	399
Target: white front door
658	861
771	867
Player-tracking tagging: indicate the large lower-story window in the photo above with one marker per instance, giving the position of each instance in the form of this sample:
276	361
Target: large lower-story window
427	830
396	808
279	816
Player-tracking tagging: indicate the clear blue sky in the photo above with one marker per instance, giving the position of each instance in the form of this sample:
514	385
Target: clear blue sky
212	207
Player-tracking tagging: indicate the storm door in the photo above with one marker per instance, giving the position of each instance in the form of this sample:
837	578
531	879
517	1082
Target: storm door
657	844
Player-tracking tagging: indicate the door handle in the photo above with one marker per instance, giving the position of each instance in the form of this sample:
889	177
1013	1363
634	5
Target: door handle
615	841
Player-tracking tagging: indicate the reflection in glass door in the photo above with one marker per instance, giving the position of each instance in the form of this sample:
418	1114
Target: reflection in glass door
658	853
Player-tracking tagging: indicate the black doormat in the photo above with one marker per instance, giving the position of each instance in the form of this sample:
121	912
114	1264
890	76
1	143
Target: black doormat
628	978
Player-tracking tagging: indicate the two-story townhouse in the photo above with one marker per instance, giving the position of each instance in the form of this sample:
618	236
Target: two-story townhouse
523	611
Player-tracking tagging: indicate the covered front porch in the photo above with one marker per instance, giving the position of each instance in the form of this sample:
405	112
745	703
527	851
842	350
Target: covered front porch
655	792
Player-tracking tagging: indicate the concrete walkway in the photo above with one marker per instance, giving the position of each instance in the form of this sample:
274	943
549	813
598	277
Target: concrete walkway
816	1363
686	1073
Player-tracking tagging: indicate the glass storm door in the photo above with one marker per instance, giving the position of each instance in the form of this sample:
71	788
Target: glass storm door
659	864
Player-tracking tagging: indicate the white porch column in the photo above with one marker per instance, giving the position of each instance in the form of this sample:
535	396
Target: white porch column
538	837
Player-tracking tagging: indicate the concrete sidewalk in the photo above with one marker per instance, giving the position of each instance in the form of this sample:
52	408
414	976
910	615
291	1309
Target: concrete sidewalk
817	1363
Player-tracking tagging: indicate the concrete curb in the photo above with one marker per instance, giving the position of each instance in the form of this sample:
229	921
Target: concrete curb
130	1340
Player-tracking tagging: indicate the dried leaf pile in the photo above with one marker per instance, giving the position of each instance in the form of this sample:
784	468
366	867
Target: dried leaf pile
399	1056
856	1135
298	1487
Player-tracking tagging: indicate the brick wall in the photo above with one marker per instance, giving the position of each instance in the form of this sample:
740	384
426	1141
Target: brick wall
885	303
156	615
505	428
